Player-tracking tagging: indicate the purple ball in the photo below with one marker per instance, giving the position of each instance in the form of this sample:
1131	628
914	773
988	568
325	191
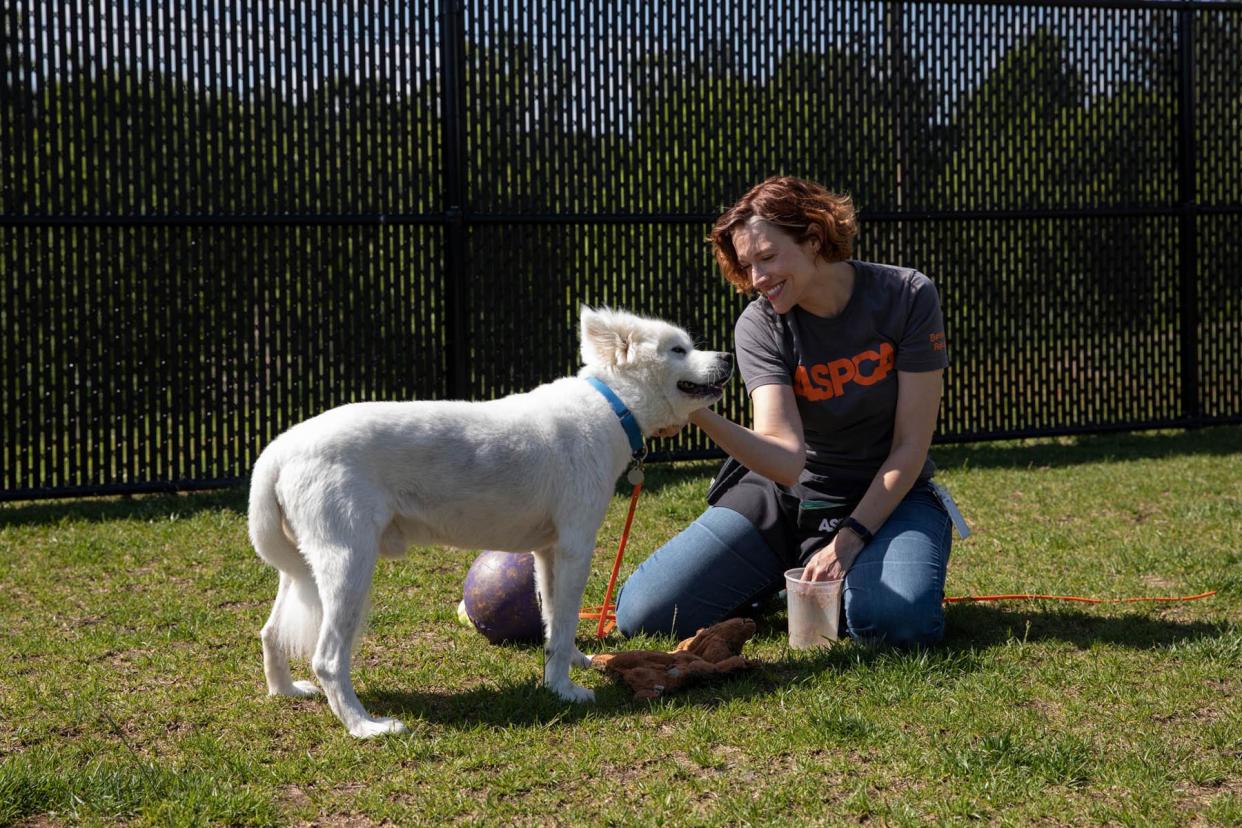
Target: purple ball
500	597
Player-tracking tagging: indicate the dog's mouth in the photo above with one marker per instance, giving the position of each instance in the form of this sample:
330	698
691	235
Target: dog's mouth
696	389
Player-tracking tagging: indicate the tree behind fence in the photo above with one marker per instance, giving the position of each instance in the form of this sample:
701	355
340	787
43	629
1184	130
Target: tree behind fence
212	230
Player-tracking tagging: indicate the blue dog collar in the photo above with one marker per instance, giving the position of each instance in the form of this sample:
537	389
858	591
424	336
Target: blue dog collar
627	418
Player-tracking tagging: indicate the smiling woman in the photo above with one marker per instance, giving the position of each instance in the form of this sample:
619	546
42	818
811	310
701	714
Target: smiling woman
843	361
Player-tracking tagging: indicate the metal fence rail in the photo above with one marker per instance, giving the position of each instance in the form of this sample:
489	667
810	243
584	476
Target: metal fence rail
211	231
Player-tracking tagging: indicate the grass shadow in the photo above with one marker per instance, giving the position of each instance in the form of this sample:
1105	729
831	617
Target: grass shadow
528	704
1058	452
144	507
523	704
982	626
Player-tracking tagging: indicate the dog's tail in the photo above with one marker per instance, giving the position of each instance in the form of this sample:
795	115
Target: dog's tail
297	614
267	519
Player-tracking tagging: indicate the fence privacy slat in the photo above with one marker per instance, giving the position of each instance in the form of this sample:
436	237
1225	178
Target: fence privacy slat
217	222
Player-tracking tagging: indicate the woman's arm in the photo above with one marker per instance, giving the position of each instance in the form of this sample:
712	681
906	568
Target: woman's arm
918	405
774	448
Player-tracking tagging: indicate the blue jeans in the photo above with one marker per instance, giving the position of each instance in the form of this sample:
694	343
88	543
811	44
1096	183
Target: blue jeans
720	566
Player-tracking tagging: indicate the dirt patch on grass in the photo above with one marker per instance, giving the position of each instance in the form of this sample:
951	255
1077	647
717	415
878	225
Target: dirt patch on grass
1047	709
295	798
40	821
292	797
422	645
241	604
1206	714
77	622
1193	799
627	774
1157	582
349	819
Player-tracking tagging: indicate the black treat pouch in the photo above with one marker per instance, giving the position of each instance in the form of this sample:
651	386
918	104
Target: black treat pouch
822	515
725	479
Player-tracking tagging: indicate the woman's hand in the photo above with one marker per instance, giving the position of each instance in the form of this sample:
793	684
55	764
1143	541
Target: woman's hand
831	562
774	448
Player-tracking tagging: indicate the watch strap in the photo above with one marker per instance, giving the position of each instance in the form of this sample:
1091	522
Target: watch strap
864	534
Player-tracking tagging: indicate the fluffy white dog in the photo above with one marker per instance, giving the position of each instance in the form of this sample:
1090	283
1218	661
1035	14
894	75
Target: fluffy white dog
531	471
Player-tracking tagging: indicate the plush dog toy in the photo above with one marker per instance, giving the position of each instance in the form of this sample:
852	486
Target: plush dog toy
712	651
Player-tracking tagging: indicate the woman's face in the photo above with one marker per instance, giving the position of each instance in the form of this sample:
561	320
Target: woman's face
779	267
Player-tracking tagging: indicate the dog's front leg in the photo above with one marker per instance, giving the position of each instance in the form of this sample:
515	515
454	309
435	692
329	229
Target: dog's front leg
571	564
544	559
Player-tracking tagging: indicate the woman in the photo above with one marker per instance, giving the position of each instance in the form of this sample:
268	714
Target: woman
843	361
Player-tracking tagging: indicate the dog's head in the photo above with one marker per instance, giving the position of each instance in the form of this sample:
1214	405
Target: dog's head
652	365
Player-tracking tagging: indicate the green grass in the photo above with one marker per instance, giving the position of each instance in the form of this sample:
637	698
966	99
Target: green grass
131	687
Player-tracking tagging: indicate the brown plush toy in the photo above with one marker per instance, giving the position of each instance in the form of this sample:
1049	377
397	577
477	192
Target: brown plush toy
712	651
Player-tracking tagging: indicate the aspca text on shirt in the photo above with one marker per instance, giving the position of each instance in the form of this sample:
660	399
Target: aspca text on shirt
836	378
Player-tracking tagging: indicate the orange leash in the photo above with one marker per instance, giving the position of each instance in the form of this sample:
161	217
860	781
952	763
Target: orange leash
1036	597
606	612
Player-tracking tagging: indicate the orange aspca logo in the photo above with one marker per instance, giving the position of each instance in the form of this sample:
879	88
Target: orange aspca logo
824	381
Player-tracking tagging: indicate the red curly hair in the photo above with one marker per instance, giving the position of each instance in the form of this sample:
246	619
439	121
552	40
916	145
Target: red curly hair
802	208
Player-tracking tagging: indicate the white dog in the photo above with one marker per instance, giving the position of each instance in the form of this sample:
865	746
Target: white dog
532	471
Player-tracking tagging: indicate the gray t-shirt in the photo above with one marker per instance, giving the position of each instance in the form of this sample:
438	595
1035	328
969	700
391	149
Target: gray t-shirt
843	369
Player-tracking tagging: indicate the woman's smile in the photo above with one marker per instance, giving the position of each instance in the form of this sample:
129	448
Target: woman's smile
773	292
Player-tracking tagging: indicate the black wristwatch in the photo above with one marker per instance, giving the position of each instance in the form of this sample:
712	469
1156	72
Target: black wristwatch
857	528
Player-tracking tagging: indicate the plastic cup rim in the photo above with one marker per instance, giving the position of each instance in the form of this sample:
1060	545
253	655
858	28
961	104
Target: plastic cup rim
799	580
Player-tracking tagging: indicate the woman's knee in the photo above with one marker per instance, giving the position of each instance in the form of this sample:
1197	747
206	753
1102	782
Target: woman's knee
894	592
698	578
643	606
897	622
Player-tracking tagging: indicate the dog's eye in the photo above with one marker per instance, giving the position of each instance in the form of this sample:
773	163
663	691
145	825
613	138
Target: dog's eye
677	349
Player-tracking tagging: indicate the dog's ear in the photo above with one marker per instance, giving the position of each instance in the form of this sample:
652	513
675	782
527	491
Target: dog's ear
608	337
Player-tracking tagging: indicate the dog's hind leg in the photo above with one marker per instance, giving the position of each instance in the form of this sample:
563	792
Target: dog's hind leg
571	564
293	626
344	577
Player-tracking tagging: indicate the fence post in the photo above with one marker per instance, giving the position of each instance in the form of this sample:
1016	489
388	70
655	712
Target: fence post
1192	411
895	60
452	104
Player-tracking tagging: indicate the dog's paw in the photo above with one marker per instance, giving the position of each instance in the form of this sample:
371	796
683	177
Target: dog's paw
297	690
370	728
580	659
569	691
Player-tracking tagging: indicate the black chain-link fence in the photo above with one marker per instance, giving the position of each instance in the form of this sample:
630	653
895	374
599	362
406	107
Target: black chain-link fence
219	219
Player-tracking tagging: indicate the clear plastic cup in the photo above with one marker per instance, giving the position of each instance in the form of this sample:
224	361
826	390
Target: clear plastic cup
814	610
